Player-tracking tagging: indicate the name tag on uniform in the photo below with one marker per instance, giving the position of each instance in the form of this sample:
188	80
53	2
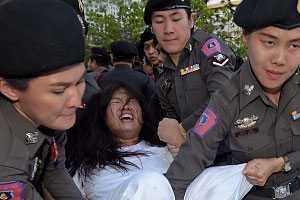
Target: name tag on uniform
189	69
246	132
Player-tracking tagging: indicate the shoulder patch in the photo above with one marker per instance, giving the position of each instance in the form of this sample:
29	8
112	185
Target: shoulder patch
211	47
206	122
11	190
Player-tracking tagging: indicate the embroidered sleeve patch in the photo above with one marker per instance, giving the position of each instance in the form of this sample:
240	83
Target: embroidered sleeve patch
211	47
11	190
206	122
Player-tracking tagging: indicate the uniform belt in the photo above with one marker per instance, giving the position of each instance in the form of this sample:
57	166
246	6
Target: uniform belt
276	192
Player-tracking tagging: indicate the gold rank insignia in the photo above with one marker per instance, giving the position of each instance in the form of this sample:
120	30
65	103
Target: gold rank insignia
298	6
189	69
247	122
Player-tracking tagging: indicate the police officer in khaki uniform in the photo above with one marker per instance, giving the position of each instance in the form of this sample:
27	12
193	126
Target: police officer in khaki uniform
41	85
197	64
257	110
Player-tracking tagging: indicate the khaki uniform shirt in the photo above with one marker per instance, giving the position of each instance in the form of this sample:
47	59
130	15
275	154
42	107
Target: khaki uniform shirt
253	125
184	90
24	166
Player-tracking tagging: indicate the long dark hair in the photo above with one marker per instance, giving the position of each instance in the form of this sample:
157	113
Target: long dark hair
93	145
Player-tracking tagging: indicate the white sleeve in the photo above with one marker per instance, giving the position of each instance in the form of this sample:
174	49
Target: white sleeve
79	183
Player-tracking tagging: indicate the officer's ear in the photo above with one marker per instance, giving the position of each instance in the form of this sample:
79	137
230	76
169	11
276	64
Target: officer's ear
7	90
245	35
191	21
111	57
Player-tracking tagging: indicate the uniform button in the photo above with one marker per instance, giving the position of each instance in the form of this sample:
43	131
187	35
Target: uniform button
250	148
180	96
281	145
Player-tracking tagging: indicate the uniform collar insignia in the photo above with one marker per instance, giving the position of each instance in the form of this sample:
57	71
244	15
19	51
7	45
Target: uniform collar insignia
248	89
189	69
296	114
298	6
166	84
31	137
247	122
298	69
190	47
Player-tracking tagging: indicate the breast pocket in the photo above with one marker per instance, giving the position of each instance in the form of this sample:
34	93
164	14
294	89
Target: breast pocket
248	147
195	89
171	94
295	126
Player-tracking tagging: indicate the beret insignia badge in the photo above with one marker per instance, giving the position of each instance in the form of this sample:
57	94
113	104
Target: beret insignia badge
80	4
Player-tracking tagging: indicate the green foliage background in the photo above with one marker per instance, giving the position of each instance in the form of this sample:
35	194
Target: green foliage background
104	29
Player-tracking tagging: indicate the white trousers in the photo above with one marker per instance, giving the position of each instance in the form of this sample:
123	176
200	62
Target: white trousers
143	186
219	183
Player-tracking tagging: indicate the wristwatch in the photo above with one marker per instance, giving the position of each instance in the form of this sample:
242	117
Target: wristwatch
287	164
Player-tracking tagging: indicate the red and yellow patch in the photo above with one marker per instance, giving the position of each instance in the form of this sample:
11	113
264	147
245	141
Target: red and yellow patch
211	47
206	122
11	190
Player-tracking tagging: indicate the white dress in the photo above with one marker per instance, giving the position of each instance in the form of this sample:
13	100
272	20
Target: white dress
144	182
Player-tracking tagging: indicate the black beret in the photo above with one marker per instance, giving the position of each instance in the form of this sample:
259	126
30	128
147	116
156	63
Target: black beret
147	35
38	37
123	50
78	7
97	52
254	14
159	5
